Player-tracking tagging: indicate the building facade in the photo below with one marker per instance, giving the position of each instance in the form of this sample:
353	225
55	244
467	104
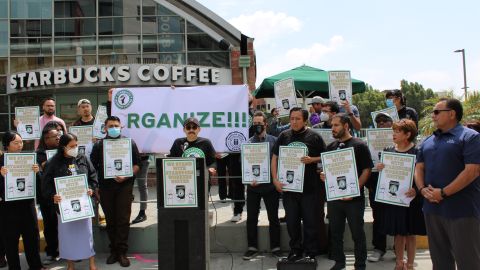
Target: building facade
73	49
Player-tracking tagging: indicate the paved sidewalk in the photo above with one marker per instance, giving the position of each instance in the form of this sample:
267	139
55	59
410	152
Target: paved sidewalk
223	261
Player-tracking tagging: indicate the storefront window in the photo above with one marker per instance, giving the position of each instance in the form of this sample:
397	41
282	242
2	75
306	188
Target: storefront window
75	27
211	59
75	8
66	61
125	8
163	24
4	121
3	66
18	64
164	43
3	90
3	9
31	9
202	42
30	46
31	28
164	58
150	7
3	38
118	26
118	59
119	44
75	46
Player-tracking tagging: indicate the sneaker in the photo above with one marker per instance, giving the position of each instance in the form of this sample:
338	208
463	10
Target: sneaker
50	259
139	218
236	218
113	258
277	253
338	266
294	256
250	254
123	260
376	256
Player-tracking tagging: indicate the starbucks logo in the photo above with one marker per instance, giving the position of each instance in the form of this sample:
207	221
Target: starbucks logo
193	152
234	141
123	99
298	144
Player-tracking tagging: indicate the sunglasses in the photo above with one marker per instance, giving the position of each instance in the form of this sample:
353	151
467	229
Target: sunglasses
191	127
437	112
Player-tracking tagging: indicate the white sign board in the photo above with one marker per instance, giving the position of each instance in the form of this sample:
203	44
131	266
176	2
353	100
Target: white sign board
154	117
340	86
285	97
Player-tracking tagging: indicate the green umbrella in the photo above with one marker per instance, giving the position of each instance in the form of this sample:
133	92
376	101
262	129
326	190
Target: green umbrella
309	81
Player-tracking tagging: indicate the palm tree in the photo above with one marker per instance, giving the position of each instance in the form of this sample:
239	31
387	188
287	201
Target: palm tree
470	111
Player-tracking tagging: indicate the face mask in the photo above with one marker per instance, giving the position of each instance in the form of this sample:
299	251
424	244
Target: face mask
259	129
389	103
113	132
73	152
324	117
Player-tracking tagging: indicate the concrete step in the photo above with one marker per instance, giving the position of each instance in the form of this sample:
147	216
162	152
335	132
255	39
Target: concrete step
225	236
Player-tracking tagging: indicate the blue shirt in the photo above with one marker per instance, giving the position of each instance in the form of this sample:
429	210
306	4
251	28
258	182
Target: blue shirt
444	156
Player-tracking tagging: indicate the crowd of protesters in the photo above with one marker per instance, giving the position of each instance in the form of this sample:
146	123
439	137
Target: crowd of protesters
445	195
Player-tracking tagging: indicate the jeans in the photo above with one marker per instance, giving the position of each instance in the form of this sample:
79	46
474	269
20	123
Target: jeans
142	178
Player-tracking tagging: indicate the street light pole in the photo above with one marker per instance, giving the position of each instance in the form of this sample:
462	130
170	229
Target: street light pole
464	71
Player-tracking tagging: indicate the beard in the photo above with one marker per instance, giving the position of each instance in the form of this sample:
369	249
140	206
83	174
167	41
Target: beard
49	113
339	134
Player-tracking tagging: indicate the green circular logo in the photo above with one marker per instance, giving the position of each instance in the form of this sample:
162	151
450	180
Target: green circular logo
193	152
123	99
298	144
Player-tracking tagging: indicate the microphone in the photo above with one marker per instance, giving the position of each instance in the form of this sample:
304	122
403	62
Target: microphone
184	146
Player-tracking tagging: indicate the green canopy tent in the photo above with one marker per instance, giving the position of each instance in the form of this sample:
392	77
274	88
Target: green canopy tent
309	81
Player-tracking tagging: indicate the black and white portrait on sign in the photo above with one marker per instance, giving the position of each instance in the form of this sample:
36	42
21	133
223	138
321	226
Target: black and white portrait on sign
118	164
21	184
180	189
342	182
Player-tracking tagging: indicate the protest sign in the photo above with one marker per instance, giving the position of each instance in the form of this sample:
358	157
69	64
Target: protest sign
395	179
20	179
180	183
76	203
255	163
290	169
341	174
117	158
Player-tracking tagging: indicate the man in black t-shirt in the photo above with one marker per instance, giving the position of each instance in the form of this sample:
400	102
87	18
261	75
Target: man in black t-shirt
85	111
301	206
350	209
194	146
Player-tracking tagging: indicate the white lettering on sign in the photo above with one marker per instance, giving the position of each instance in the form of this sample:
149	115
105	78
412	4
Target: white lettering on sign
111	74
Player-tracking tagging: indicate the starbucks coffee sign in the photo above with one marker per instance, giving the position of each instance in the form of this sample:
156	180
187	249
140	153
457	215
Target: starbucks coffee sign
126	75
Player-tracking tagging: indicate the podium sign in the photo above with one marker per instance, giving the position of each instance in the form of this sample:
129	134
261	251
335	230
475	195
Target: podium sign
183	228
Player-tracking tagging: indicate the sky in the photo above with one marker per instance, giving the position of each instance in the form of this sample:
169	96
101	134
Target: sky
380	42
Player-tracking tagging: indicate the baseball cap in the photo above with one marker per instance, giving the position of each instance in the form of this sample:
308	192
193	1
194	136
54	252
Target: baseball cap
384	115
191	120
83	101
317	99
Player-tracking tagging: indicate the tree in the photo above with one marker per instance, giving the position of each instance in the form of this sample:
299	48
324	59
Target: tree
416	96
470	111
367	102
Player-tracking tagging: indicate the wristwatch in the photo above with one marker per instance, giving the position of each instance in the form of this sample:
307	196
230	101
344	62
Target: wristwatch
442	193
